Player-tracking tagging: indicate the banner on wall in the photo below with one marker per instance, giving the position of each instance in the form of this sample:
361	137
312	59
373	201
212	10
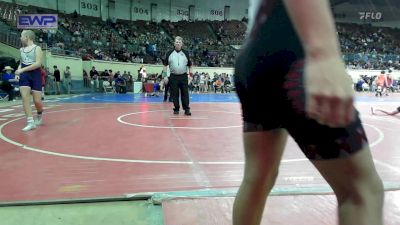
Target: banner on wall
216	13
89	7
141	12
37	21
180	13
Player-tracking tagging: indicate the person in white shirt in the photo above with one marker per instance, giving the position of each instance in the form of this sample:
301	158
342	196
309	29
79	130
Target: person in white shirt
30	78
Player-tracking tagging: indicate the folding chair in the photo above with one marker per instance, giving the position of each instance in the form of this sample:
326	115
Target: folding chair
3	95
365	87
107	87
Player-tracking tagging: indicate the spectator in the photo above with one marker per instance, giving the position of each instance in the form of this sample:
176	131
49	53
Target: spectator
94	77
85	79
9	82
120	84
57	79
67	79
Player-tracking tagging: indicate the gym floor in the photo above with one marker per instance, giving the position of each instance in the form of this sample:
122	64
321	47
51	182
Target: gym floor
111	147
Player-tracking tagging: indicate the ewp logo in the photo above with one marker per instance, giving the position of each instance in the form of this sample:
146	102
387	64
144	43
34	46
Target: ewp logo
37	21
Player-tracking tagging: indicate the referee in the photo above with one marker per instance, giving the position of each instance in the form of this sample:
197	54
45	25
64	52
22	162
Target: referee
179	63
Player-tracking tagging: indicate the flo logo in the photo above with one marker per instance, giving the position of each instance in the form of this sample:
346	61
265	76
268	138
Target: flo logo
37	21
370	15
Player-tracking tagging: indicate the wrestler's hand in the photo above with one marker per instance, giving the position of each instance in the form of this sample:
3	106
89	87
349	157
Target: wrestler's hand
329	96
18	72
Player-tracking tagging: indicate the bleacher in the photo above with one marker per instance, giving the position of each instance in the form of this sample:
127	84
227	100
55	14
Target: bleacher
210	43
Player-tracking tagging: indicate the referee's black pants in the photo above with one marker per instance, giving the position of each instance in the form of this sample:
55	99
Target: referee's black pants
179	85
166	91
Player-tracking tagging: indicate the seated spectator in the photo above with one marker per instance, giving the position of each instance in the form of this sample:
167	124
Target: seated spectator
359	84
120	84
227	86
196	83
9	83
104	75
218	86
365	87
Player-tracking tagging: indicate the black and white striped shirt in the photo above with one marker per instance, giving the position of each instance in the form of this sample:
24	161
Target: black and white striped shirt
178	61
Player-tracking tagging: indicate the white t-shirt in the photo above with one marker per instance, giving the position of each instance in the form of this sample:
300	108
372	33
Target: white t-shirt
143	72
202	79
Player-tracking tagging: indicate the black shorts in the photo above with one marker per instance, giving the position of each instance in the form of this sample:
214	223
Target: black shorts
272	95
32	79
398	109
